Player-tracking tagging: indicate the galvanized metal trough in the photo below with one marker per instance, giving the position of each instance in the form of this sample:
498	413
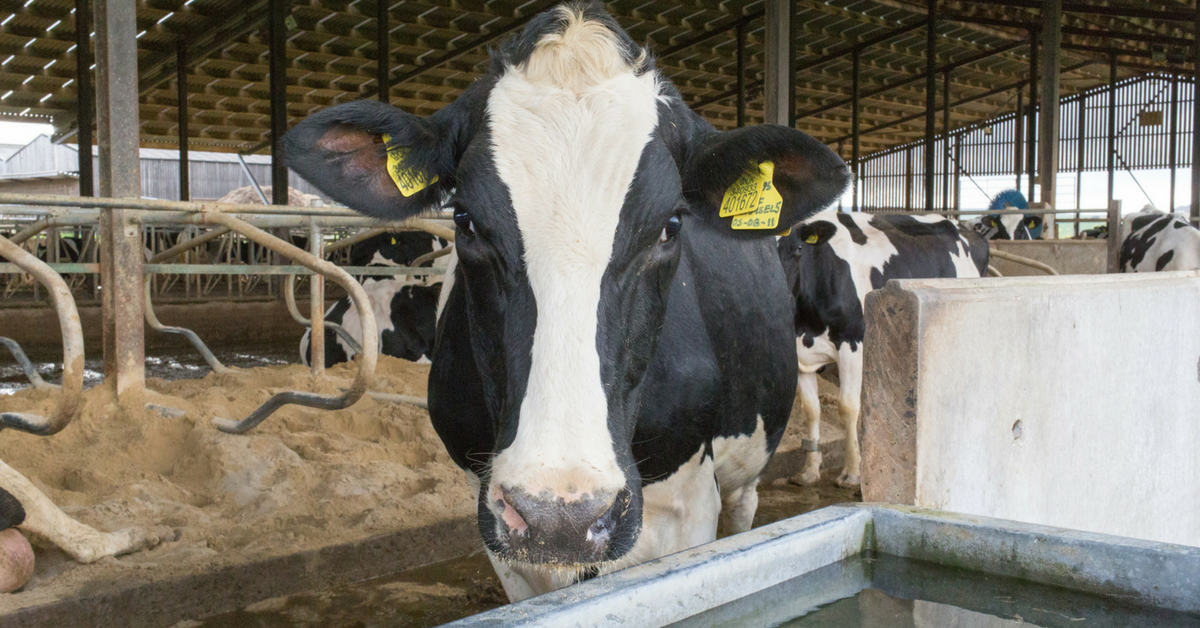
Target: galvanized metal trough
740	576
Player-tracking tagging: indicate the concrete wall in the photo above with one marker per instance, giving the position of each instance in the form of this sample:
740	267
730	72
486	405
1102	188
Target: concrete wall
1064	401
1068	257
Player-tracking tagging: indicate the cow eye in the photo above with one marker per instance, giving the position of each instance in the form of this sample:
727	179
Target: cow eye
674	224
463	221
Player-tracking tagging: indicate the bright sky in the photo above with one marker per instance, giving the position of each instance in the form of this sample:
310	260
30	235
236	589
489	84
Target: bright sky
22	132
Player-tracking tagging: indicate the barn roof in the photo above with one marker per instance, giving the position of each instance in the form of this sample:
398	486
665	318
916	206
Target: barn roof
437	47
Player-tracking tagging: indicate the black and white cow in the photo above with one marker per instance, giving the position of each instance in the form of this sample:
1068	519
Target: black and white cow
404	307
832	261
1008	226
1153	240
613	366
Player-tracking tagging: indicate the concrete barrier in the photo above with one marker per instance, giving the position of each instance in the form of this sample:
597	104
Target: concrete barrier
1064	401
1068	257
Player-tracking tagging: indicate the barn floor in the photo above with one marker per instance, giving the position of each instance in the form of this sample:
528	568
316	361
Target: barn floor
302	481
453	589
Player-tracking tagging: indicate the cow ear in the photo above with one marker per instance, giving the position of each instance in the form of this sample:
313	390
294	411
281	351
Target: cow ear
375	158
765	177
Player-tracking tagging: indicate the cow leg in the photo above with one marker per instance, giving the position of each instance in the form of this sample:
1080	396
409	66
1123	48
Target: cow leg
850	368
810	402
739	505
83	543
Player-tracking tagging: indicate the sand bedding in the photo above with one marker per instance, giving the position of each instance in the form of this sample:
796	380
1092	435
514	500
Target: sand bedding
303	479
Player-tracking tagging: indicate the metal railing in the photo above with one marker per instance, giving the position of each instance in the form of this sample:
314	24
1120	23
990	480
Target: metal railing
83	212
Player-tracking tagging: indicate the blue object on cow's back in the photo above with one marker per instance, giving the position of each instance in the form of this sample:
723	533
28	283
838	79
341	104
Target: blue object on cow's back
1009	199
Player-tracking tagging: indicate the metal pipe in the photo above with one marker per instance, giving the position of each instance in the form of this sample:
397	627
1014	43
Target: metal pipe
354	239
27	367
946	139
277	11
370	340
855	123
33	229
1112	128
84	99
289	298
193	337
316	296
1195	119
442	252
237	269
930	97
253	182
1031	138
143	204
187	245
71	400
1048	121
1173	148
1017	259
181	87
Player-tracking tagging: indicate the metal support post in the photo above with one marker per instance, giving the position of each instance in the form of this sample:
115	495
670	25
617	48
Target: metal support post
120	177
1173	148
316	315
930	97
1048	121
383	48
1031	138
946	140
741	73
1114	236
277	53
1195	121
1112	128
1019	138
1080	155
957	161
778	61
185	188
908	179
855	123
84	99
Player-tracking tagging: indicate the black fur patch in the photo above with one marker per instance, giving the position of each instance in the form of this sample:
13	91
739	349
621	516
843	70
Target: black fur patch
12	514
1164	259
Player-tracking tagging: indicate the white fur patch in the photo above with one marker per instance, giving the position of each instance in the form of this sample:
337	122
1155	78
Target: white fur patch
568	129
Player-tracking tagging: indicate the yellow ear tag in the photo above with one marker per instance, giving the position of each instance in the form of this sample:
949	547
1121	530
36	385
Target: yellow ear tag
393	240
409	182
763	213
786	233
812	239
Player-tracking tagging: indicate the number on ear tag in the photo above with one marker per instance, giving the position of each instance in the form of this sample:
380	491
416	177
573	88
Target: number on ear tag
763	213
409	182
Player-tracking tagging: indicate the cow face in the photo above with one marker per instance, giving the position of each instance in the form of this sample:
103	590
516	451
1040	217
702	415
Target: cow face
395	248
1010	227
572	173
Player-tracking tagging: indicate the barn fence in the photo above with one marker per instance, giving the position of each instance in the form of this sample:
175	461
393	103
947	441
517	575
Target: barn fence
1153	130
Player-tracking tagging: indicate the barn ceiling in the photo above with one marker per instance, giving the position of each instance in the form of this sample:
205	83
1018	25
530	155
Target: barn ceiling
437	47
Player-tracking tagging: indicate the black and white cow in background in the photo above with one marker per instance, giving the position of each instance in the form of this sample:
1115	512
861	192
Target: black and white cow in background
614	363
1007	226
832	261
405	307
1153	240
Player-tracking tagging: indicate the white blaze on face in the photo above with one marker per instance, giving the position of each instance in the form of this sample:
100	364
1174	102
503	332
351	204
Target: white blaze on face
568	130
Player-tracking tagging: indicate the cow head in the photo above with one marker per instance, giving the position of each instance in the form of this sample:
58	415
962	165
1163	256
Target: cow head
1010	226
572	172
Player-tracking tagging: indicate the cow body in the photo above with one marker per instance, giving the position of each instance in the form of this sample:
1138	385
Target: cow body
404	307
1153	240
832	261
612	365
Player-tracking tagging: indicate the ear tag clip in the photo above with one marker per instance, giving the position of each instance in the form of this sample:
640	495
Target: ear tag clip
753	200
409	182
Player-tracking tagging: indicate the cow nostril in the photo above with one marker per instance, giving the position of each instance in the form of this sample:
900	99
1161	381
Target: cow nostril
511	518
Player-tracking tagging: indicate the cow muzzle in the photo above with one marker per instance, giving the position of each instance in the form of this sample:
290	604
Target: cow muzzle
545	529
